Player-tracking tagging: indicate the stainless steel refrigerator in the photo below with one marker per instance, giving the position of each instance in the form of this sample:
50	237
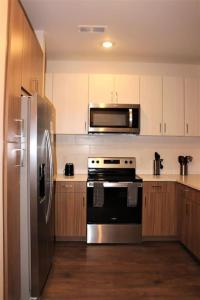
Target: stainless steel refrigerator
37	194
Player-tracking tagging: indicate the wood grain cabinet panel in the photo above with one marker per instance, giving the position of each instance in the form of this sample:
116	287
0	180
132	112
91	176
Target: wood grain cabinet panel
70	210
159	210
32	61
11	151
189	218
13	73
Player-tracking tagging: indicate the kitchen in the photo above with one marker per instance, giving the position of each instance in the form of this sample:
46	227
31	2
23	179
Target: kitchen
151	64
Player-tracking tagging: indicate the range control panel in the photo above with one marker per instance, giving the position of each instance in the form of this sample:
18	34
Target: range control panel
112	162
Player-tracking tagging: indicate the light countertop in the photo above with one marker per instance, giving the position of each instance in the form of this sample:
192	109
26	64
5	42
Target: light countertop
192	181
76	177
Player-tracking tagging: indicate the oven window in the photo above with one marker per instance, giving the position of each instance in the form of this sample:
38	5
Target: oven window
114	209
109	117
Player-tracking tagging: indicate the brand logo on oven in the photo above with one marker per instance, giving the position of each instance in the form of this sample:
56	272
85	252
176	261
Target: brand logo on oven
114	219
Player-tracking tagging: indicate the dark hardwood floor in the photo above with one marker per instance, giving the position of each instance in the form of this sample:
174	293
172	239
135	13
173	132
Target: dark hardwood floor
153	270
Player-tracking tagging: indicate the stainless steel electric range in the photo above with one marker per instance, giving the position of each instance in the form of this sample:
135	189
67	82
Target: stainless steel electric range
114	201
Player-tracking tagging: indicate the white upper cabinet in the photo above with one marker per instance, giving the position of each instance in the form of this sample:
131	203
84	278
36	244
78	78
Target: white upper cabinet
101	88
70	98
192	107
173	106
126	89
49	86
151	105
109	88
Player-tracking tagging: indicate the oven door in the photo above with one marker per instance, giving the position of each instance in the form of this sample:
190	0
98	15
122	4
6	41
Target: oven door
115	208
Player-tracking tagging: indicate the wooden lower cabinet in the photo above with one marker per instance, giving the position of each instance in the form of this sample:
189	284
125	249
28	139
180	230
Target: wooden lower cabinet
70	210
189	218
159	210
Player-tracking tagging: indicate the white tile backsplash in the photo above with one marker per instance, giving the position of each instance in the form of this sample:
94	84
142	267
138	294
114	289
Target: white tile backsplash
77	149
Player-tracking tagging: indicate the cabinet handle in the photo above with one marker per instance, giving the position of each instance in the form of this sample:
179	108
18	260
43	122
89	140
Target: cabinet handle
83	201
21	160
165	127
116	98
157	186
85	126
36	85
145	201
21	122
187	128
67	186
160	128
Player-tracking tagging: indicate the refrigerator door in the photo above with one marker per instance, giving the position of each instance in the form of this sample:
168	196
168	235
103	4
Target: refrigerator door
41	192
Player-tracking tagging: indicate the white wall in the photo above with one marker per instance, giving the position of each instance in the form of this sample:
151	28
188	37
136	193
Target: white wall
122	67
76	149
3	45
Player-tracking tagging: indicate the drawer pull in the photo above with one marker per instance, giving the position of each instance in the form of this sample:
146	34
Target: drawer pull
157	186
67	186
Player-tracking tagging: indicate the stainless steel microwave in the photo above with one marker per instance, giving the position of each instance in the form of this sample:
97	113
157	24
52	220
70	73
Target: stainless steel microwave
114	118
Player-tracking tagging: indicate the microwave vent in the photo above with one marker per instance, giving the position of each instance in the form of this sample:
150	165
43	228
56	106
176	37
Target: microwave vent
92	28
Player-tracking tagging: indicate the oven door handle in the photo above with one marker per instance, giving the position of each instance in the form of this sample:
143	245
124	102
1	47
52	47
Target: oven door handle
115	184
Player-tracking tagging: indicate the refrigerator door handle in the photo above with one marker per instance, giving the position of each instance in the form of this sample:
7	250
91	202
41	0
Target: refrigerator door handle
50	156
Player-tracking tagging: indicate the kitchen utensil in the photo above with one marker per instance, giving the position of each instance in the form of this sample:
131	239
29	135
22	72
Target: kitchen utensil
157	156
181	161
187	160
157	164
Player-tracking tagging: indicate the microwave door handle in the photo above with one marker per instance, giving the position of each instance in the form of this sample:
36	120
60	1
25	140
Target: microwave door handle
130	118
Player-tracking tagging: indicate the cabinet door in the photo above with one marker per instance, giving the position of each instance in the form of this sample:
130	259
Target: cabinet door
37	67
173	106
80	214
70	215
151	105
101	88
192	107
13	73
27	57
32	61
126	89
159	210
193	241
70	98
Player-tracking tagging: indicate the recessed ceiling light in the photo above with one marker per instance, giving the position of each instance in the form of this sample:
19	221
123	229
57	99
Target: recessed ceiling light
107	44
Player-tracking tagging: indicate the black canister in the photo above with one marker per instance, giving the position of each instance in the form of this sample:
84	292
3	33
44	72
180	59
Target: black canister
69	169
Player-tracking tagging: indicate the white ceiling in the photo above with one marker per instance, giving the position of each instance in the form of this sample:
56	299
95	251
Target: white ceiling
148	30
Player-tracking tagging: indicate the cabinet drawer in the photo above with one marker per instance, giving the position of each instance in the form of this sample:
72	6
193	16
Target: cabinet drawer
66	187
71	187
156	187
